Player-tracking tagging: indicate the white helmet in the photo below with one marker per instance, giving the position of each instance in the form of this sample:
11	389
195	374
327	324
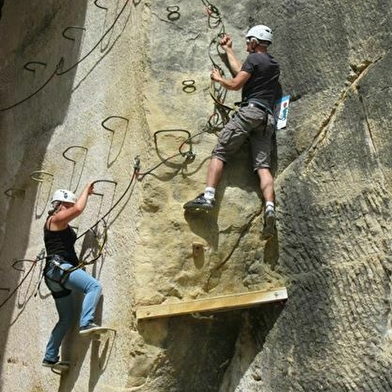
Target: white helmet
260	32
62	195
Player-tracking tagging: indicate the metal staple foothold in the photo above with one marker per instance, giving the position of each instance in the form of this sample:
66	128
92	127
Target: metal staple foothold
14	192
99	6
27	65
35	175
70	28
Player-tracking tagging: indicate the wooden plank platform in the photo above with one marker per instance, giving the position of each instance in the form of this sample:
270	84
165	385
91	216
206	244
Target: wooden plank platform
222	303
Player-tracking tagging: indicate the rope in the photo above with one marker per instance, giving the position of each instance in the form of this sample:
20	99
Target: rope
59	65
40	256
216	90
61	62
84	262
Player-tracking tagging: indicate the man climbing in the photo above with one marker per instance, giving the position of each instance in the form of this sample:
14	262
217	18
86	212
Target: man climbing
258	77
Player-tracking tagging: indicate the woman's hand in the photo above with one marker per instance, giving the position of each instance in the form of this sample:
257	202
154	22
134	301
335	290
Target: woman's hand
90	188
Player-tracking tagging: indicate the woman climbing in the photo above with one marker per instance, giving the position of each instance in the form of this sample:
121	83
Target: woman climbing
61	273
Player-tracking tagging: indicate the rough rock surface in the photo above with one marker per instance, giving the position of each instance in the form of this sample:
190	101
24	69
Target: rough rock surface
88	86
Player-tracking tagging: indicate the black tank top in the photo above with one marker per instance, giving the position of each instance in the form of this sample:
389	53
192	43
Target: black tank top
61	243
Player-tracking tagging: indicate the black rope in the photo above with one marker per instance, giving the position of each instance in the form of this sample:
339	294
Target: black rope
101	245
114	205
40	256
59	65
217	91
189	155
97	44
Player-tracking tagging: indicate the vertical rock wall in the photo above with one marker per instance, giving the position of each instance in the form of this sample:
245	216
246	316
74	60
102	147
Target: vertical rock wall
88	86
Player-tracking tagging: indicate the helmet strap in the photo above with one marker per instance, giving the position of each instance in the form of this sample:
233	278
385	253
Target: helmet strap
264	43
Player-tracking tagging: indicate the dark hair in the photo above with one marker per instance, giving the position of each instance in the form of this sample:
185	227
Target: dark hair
55	206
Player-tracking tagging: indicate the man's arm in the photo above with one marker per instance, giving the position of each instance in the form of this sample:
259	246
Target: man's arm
240	77
235	83
227	45
234	63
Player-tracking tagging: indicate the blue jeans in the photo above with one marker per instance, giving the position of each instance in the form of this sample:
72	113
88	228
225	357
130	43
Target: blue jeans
77	280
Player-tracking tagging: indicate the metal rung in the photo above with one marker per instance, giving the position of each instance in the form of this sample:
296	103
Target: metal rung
14	192
35	175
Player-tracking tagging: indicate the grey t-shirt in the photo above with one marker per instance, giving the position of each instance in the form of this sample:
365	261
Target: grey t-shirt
264	80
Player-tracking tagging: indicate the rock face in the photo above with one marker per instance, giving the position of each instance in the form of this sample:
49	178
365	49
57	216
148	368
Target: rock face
86	87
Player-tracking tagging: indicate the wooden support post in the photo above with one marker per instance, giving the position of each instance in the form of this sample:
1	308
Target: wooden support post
222	303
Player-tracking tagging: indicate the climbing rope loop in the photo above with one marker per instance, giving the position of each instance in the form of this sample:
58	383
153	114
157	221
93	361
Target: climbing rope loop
217	92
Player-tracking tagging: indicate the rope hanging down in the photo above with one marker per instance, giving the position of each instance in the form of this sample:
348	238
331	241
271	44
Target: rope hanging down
217	91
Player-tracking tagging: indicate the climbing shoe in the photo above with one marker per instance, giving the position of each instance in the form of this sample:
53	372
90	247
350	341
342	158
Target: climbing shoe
200	204
88	329
268	230
48	363
57	367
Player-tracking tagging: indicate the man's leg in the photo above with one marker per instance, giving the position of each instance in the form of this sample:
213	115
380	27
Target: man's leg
206	200
267	190
266	184
230	140
214	173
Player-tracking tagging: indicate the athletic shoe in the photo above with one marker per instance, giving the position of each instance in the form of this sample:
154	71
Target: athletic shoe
268	230
200	203
90	328
47	363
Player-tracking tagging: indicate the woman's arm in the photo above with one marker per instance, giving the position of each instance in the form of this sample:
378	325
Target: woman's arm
66	214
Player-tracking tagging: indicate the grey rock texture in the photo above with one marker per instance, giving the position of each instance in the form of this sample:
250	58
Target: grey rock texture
88	86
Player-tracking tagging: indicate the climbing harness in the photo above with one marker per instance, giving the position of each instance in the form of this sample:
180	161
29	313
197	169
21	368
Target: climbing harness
256	103
54	272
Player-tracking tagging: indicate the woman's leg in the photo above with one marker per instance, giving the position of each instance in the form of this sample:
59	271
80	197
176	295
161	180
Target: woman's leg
81	281
65	310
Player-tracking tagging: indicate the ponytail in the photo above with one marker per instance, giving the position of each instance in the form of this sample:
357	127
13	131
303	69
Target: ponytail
55	206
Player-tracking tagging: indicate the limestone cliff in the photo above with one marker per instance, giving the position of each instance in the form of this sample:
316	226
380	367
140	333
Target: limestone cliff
89	86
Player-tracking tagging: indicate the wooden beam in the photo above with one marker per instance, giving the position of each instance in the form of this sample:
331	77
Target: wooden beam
226	302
